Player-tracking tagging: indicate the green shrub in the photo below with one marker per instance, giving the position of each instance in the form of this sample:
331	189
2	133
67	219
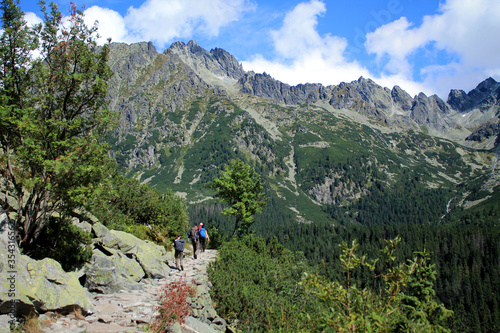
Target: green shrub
403	302
268	288
65	243
257	284
137	208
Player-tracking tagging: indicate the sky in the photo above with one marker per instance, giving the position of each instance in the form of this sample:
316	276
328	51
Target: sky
420	45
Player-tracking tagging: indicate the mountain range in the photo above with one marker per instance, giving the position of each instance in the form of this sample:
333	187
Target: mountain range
186	112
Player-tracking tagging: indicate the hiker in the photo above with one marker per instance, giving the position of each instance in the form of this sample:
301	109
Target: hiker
203	237
194	235
179	252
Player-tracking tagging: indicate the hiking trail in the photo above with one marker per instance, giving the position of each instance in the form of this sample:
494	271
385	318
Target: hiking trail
133	310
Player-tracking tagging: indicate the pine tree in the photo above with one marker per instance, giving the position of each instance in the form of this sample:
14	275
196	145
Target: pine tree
241	188
52	113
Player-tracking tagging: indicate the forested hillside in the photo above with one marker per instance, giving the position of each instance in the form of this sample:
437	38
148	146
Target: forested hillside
354	161
353	167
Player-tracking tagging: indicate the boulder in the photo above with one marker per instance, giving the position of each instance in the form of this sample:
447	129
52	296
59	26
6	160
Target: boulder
35	285
152	258
199	326
40	286
112	271
99	230
7	234
5	322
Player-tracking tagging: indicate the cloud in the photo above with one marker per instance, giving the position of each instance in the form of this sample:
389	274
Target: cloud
161	21
32	19
303	55
460	44
110	24
456	48
395	40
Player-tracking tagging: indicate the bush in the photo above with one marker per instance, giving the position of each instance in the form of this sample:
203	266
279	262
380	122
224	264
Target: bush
173	305
65	243
404	303
137	208
256	283
267	288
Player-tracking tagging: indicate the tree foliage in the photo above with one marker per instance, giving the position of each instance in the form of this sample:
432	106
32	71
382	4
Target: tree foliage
241	188
270	288
465	254
256	283
52	113
137	208
65	242
405	303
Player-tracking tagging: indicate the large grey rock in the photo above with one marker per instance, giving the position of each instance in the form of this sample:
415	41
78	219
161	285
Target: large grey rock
39	285
7	233
199	326
152	258
5	321
112	273
30	285
99	230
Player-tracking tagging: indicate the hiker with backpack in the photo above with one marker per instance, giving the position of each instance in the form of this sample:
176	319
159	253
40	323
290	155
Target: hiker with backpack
194	235
203	237
179	252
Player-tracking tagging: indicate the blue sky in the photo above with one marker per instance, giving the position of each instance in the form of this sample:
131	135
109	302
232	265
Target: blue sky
420	45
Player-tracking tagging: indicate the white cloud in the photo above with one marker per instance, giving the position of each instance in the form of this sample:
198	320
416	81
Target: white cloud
32	19
303	54
161	21
466	30
110	24
456	48
397	41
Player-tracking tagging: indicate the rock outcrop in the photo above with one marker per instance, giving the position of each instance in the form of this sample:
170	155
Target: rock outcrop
484	131
120	261
363	95
217	61
432	112
133	310
37	285
484	96
151	257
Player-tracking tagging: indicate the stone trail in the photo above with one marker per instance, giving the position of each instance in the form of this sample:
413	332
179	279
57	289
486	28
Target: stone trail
133	310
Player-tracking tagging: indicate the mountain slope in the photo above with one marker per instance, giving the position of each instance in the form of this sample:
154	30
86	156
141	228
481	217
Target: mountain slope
186	112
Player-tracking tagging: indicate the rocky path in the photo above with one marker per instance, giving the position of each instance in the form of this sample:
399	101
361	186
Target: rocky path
133	310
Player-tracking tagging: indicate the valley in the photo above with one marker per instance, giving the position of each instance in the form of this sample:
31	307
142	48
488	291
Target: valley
355	160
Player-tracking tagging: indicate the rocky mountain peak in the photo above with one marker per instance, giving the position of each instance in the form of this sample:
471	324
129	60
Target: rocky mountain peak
401	98
482	97
189	69
488	86
217	61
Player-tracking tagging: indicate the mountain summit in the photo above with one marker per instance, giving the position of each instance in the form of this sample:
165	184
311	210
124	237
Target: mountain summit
187	111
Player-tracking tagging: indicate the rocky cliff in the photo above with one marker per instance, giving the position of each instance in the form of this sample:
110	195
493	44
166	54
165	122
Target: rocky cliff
187	111
117	291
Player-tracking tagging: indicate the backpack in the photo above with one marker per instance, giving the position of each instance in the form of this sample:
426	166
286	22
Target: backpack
179	244
194	234
203	233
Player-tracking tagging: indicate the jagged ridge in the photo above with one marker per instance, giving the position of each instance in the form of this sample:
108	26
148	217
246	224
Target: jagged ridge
185	112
